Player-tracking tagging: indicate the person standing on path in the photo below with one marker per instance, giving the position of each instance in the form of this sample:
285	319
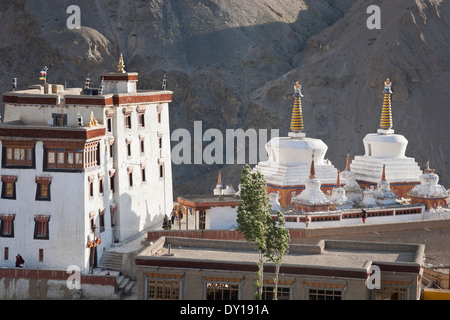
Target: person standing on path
364	216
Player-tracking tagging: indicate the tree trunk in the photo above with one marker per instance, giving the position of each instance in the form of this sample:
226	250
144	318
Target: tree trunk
261	267
277	271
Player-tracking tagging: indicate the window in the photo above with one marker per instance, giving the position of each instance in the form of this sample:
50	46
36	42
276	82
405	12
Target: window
283	293
109	124
161	171
160	142
142	143
392	290
7	225
19	156
143	174
18	153
111	151
325	290
163	289
6	253
112	210
141	119
324	294
222	291
127	119
41	255
9	187
111	180
91	186
59	120
41	230
129	149
159	116
61	158
102	220
100	185
130	178
43	188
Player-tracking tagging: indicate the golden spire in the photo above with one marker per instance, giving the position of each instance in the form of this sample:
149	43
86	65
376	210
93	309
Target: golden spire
121	66
386	114
297	118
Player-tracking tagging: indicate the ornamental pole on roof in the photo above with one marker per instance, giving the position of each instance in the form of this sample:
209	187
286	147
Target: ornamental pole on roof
347	164
383	174
386	113
121	66
297	118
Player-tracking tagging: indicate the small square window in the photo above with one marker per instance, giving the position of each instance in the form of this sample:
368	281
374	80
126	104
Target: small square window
9	188
43	191
7	226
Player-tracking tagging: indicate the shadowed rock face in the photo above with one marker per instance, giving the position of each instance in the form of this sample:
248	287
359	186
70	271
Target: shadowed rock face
233	64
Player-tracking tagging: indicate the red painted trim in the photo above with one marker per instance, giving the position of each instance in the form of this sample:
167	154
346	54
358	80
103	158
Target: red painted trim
56	133
207	205
250	267
16	273
116	77
97	101
132	99
17	99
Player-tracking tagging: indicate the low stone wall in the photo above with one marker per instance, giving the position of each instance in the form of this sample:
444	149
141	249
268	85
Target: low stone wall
23	284
302	233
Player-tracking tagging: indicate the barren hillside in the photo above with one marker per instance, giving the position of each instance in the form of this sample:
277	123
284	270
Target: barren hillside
232	64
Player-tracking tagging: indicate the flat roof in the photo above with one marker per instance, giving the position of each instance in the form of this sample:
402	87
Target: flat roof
355	257
208	201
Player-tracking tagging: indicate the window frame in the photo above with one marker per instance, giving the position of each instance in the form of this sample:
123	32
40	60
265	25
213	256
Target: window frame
330	289
153	279
29	154
9	182
41	227
7	222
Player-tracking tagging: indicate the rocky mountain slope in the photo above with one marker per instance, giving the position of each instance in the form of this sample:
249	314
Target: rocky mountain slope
232	64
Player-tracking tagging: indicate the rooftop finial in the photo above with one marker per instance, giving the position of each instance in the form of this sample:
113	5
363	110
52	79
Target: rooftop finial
297	118
383	175
121	66
338	182
219	179
386	113
347	164
427	169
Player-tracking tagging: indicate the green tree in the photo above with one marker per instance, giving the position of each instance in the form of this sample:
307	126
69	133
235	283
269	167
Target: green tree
252	216
277	245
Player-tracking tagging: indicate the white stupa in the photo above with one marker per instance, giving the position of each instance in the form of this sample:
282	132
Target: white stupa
386	148
383	194
368	200
429	187
338	196
287	167
229	190
352	189
273	198
312	198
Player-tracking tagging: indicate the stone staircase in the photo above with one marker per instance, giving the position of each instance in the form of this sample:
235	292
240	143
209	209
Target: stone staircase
112	261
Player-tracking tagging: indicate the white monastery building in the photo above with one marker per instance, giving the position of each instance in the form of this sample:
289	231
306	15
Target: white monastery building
81	169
